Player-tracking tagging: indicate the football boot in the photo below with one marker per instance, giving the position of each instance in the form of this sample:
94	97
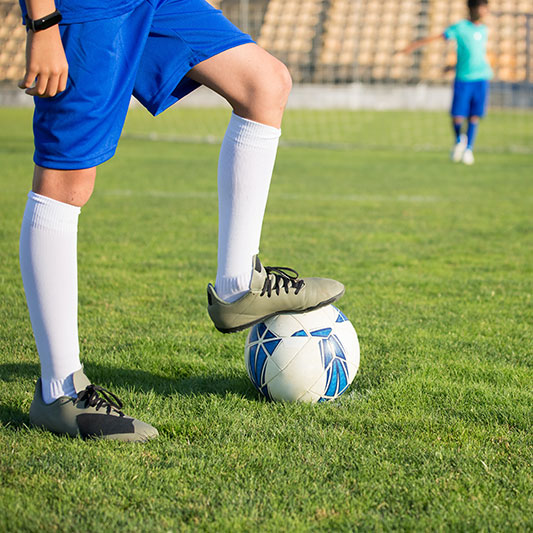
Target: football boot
273	290
468	157
94	413
459	149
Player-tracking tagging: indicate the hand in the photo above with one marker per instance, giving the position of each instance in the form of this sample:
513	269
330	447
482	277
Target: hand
46	64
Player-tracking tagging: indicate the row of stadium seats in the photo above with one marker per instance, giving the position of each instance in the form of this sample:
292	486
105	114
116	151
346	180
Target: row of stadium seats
12	39
338	41
344	41
360	39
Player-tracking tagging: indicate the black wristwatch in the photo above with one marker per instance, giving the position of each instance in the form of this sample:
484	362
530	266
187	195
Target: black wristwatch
43	23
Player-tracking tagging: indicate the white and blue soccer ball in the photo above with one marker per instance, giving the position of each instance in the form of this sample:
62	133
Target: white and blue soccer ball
309	357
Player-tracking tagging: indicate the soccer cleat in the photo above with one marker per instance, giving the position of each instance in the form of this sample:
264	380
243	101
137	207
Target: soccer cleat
459	149
468	157
273	290
95	413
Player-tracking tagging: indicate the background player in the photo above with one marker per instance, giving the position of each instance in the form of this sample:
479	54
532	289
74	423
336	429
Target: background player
473	72
82	69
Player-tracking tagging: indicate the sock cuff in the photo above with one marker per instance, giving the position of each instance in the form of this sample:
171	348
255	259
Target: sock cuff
49	214
52	389
250	133
231	288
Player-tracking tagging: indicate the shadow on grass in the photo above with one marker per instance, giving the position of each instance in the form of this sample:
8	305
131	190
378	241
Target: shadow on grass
12	416
192	385
219	385
112	377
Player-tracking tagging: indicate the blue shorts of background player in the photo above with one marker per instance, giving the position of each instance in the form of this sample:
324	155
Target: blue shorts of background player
470	98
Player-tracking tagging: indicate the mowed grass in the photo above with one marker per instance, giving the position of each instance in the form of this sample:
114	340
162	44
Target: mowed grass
500	131
433	435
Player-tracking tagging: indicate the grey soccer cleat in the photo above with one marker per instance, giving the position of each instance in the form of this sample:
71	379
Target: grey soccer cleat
273	291
95	413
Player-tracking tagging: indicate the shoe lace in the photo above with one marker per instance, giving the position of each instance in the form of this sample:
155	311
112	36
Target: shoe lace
99	397
281	278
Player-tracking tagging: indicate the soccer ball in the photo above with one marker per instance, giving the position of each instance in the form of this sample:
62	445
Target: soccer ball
308	357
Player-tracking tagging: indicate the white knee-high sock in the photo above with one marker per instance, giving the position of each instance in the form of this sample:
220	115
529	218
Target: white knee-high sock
48	262
245	169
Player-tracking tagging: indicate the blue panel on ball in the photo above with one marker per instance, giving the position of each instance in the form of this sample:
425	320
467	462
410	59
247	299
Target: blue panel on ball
269	335
252	363
331	384
321	332
270	346
343	376
337	347
326	352
300	333
341	317
337	379
265	393
334	361
261	328
259	370
254	335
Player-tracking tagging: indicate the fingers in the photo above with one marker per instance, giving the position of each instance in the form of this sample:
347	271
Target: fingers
44	86
62	85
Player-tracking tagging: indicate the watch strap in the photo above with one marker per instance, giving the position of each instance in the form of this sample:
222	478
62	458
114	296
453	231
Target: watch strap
43	23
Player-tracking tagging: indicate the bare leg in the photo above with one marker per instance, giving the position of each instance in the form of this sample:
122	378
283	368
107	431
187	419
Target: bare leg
255	83
72	187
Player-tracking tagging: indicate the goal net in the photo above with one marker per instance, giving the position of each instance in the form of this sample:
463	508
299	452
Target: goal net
352	89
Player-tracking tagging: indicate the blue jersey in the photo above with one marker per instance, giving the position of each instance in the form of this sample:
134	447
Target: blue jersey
472	63
74	11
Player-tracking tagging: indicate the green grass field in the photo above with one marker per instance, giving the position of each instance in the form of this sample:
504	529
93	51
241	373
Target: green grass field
435	433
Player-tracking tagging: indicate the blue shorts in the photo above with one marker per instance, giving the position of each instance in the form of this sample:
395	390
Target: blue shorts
470	98
146	52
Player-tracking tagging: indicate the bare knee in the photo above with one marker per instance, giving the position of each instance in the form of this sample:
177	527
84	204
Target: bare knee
68	186
282	83
265	93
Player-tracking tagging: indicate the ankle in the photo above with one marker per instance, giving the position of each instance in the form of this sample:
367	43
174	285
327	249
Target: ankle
52	389
232	288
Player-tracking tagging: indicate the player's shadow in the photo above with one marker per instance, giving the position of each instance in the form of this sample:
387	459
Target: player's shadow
191	385
116	377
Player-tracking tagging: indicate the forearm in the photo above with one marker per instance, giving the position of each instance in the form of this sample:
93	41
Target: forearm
422	42
40	8
46	63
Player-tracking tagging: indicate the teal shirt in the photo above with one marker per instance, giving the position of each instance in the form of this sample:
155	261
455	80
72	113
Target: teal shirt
472	63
